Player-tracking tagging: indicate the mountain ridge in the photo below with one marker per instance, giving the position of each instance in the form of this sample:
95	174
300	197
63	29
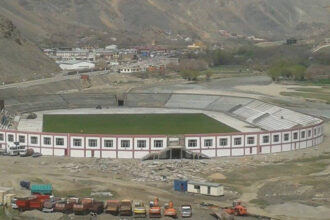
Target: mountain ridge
78	22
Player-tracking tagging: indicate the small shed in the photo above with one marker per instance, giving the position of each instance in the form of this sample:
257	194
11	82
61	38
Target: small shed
43	189
205	188
180	185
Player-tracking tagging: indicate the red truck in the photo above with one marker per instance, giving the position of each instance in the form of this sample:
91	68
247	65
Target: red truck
38	202
24	203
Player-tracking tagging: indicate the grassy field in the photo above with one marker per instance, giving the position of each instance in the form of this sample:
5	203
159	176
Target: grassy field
134	124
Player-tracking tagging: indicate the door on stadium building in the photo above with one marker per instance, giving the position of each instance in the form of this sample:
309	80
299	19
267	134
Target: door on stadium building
66	152
92	153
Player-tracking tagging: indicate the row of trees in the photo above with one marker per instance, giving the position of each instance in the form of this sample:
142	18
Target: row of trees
287	70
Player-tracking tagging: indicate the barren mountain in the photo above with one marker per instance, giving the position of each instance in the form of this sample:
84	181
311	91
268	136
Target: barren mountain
19	58
77	22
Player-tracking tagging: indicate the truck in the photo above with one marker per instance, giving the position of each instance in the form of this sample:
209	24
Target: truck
38	202
97	208
13	149
49	205
170	211
186	211
23	204
154	209
83	208
66	206
139	210
112	207
125	208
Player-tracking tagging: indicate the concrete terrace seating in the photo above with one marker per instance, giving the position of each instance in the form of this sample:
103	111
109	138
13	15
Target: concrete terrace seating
272	123
225	104
89	100
297	117
270	117
147	100
247	114
190	101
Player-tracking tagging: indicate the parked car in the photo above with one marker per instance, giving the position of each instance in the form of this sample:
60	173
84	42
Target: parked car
186	211
139	210
36	154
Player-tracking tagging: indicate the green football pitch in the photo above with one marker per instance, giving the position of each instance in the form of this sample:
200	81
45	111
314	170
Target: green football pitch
165	124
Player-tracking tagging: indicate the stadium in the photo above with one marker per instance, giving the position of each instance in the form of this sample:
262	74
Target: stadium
155	126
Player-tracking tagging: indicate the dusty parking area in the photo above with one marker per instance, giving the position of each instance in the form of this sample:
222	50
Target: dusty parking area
273	185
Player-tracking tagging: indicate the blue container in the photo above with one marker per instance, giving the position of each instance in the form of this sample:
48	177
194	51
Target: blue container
43	189
180	185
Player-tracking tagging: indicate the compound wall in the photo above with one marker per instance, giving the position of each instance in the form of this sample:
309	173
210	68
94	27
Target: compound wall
212	145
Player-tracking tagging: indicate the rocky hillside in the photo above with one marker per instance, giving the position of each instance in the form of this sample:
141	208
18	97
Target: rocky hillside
19	58
126	21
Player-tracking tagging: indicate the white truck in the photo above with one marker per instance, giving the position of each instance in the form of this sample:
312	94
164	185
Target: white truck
13	149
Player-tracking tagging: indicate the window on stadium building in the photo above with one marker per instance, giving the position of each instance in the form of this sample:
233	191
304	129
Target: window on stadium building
47	141
141	144
125	144
295	136
192	143
276	138
237	141
265	139
60	141
158	143
309	133
286	137
21	139
10	137
208	143
223	142
303	134
1	137
108	143
250	140
77	142
34	140
92	142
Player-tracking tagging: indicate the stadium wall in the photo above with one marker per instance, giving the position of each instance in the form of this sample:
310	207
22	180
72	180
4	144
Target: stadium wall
127	146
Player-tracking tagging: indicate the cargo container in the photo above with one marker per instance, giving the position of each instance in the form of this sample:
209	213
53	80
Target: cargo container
112	207
180	185
43	189
125	208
